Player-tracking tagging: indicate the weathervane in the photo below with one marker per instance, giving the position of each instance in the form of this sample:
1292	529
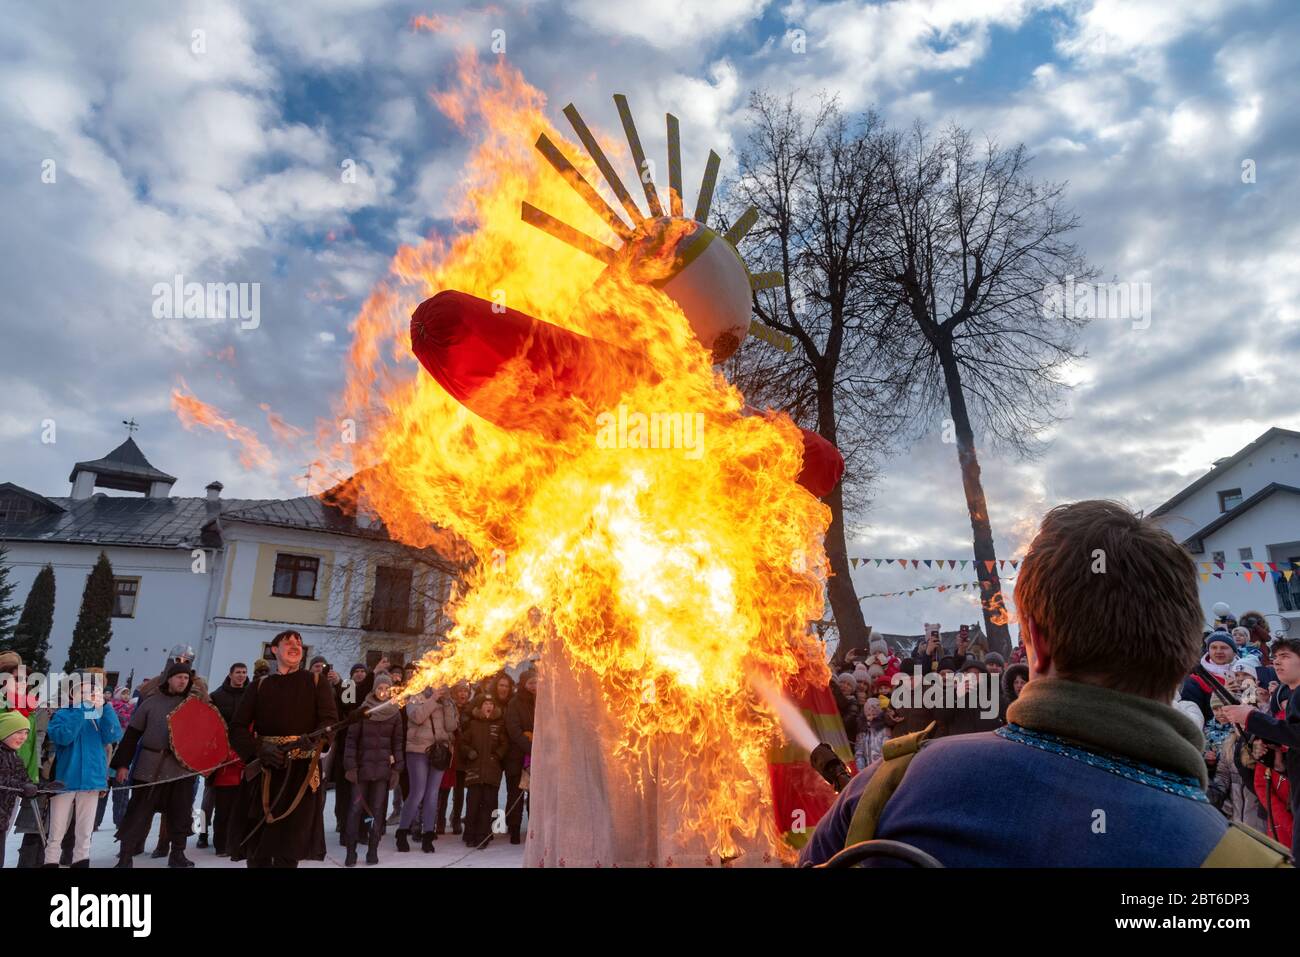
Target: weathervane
130	424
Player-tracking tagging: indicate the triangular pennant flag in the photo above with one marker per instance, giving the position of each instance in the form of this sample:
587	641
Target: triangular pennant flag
1205	566
1287	574
1015	563
916	563
1220	564
989	563
1272	566
1218	575
1259	566
889	561
853	562
927	562
1248	574
1205	576
877	562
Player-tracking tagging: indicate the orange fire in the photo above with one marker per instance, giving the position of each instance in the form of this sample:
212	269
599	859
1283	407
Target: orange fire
193	413
668	577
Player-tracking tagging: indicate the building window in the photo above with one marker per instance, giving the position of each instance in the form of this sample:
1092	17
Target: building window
1229	499
15	508
1216	557
1246	554
1288	592
396	659
391	606
295	576
125	591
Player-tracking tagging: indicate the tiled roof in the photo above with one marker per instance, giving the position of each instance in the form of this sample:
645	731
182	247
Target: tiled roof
125	460
306	512
1222	466
123	520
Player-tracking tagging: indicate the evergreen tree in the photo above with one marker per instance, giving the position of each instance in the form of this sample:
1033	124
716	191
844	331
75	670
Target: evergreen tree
8	610
31	639
95	620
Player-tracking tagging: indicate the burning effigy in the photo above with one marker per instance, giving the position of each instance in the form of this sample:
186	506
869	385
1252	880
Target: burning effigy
624	518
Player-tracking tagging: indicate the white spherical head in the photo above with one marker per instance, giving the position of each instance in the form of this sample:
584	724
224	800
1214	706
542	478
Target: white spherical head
707	279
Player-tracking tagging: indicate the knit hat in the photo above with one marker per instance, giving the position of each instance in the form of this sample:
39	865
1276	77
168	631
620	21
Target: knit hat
974	664
1223	638
860	673
1245	666
846	676
261	667
359	666
993	658
318	660
947	663
383	678
878	646
11	721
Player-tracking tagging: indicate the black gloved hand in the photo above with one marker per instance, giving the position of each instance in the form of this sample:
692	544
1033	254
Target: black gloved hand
29	789
271	756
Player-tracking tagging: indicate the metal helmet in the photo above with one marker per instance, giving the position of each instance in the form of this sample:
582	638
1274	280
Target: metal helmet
181	653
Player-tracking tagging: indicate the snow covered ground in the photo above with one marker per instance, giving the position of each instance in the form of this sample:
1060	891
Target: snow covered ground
450	849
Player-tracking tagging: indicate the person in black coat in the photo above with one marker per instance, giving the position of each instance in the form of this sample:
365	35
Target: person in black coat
286	704
219	802
373	757
483	746
347	698
519	728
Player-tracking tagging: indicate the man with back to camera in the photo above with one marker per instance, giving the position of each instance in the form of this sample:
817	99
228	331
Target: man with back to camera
1095	768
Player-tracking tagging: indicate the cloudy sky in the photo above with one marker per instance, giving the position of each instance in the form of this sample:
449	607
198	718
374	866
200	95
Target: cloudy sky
205	139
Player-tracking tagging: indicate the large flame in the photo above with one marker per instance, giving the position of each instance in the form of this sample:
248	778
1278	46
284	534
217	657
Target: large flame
671	578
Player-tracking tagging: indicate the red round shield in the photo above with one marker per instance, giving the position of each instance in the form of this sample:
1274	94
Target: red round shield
198	735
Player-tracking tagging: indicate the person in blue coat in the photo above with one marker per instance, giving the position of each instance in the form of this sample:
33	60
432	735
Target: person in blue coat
81	734
1094	768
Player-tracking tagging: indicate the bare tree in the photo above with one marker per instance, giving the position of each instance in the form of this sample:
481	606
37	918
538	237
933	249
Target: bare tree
972	251
817	184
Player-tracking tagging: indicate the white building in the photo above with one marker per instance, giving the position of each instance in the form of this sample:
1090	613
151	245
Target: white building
221	575
1243	516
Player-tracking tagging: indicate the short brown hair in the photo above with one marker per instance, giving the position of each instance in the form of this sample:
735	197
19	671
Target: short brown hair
1136	626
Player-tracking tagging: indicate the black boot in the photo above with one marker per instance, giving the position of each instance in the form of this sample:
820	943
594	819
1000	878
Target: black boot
177	857
372	853
427	844
351	859
85	863
159	851
203	841
515	839
402	844
54	866
124	861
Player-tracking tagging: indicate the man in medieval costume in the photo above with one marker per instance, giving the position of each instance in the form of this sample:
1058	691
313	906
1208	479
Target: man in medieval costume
279	820
160	781
182	654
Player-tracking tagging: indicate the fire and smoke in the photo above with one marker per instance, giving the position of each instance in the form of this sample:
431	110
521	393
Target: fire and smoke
669	580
